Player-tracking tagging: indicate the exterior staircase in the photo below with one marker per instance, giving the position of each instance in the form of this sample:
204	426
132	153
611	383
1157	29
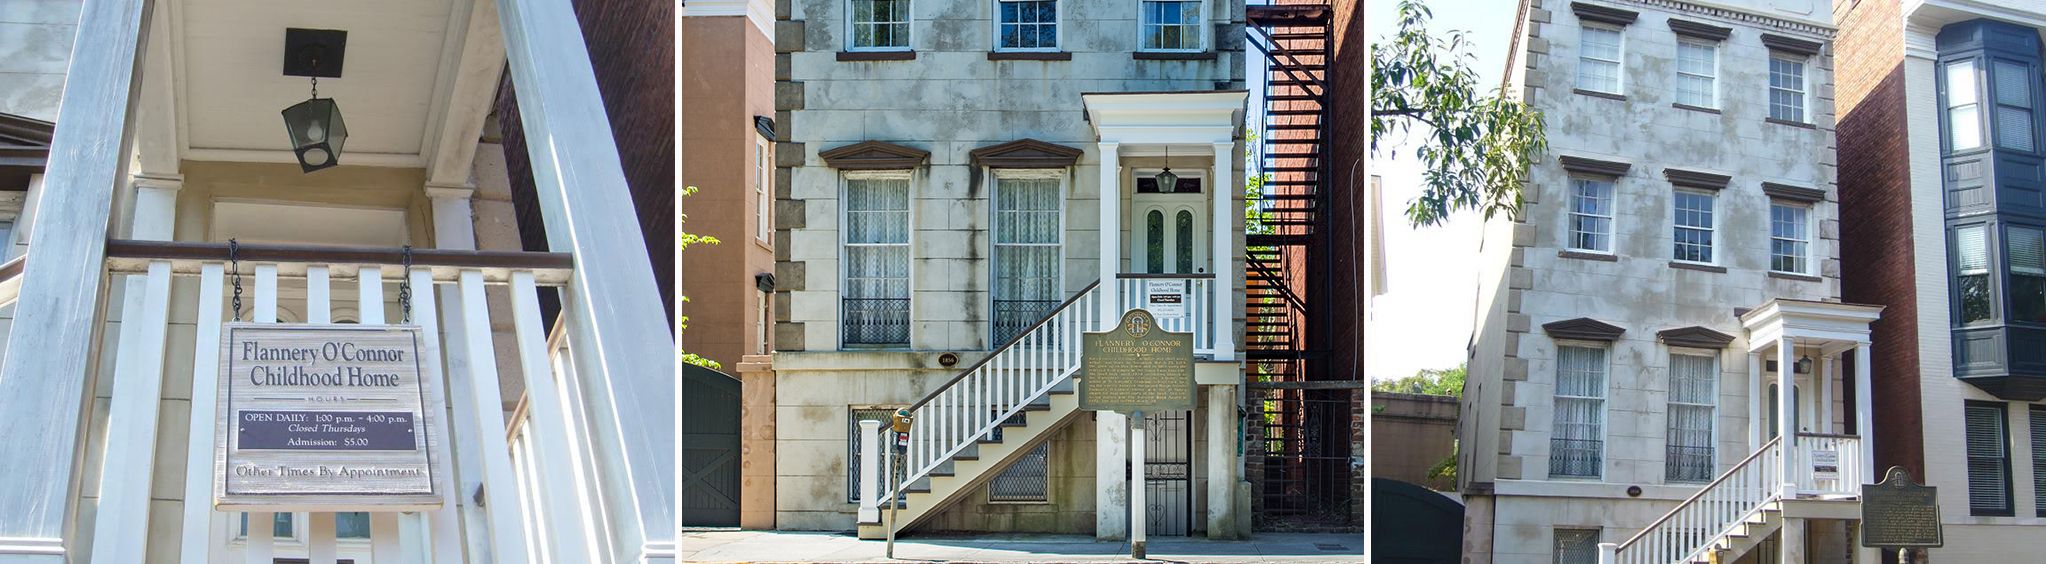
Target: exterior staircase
988	416
1744	508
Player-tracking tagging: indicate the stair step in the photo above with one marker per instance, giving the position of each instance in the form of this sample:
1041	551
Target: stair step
1292	155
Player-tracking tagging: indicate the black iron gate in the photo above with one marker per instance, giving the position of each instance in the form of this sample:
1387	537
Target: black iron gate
1168	473
1300	456
710	448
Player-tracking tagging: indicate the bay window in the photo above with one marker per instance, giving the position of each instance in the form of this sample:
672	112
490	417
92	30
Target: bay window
876	253
2014	106
1964	108
2026	250
1971	274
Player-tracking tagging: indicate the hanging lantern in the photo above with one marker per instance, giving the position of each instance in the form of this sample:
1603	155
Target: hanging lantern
1167	181
317	132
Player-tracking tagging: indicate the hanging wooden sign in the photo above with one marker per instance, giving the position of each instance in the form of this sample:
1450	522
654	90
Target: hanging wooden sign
324	417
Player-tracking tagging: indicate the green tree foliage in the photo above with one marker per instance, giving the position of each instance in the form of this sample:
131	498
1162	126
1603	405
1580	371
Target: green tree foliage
1475	148
1434	382
683	240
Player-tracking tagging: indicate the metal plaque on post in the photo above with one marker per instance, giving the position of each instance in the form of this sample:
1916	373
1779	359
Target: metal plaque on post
324	418
1136	367
1899	513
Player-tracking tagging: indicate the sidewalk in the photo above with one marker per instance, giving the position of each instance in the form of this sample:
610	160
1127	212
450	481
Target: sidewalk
789	546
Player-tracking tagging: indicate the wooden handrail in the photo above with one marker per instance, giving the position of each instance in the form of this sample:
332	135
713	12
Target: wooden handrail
1138	275
1827	435
1005	346
13	268
1701	493
334	254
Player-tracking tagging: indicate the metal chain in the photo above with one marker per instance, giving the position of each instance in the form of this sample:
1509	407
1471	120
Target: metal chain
405	287
316	86
234	265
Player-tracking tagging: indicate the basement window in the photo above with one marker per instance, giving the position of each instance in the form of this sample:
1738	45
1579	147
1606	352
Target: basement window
1576	546
1024	481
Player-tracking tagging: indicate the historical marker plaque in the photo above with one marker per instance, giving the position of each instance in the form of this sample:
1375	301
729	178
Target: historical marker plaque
324	417
1136	367
1899	513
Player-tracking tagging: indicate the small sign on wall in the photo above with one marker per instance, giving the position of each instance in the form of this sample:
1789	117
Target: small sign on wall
324	417
1165	298
1826	464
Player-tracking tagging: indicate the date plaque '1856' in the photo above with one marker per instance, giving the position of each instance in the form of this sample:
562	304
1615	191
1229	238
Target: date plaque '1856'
1899	513
1136	367
324	417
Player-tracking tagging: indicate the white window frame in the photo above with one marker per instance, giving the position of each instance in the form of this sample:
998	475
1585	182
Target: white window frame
995	176
1712	420
1619	63
1805	236
844	225
1804	83
1570	230
1605	423
1202	29
764	308
1711	227
763	181
909	23
1973	103
1711	80
296	545
1058	25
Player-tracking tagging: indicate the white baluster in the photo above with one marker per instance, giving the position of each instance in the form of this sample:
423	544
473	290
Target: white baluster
487	407
131	429
569	522
443	527
317	305
201	534
261	541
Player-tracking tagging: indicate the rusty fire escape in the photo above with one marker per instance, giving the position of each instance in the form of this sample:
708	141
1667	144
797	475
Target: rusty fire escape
1298	471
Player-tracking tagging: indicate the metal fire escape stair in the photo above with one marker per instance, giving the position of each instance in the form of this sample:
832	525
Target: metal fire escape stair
1294	39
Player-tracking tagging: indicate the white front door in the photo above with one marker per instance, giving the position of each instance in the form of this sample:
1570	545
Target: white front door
1169	229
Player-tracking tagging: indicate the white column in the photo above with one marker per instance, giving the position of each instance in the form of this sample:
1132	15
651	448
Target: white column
870	471
1792	549
42	391
1823	376
1222	258
1756	400
1137	507
320	547
1786	418
1221	433
616	321
138	386
1864	410
1110	229
1111	442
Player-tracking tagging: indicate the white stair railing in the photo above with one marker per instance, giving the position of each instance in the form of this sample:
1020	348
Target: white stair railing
1197	303
1844	460
1002	384
1690	529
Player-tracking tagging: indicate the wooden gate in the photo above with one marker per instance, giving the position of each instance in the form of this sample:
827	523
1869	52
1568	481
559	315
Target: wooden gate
710	448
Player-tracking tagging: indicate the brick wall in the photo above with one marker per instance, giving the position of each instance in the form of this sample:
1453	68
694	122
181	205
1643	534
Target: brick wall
1875	194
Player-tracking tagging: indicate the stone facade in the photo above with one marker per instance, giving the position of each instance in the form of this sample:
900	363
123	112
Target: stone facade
1530	278
35	48
949	95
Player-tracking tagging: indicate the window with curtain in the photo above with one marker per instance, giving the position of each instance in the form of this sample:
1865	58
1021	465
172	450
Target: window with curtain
1693	234
1697	73
1598	59
879	25
1026	253
1693	397
1577	440
1964	107
1786	88
1027	25
1170	25
876	288
2026	248
1183	241
1790	237
1576	546
1989	490
2014	106
1591	215
1971	273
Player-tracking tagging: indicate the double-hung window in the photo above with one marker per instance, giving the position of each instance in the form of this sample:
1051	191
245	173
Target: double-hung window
1964	107
1790	237
1027	25
1591	215
2024	249
1989	489
1697	73
763	192
1027	281
876	288
879	25
2014	106
1786	87
1577	441
1971	274
1693	395
1169	25
1693	235
1598	59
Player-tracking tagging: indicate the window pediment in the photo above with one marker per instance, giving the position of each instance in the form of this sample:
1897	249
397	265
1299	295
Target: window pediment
1026	153
1694	336
874	155
1793	193
1584	328
1603	14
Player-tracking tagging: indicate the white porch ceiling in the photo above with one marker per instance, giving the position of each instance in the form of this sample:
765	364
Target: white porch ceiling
401	61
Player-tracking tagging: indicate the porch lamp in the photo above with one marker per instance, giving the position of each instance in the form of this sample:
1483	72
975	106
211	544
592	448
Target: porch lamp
1167	181
315	125
1803	366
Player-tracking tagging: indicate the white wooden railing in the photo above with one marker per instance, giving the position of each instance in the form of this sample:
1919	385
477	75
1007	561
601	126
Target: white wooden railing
1847	473
1694	525
540	508
998	387
1198	315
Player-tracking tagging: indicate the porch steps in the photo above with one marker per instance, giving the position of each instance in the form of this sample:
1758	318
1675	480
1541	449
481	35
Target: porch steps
1745	536
967	471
